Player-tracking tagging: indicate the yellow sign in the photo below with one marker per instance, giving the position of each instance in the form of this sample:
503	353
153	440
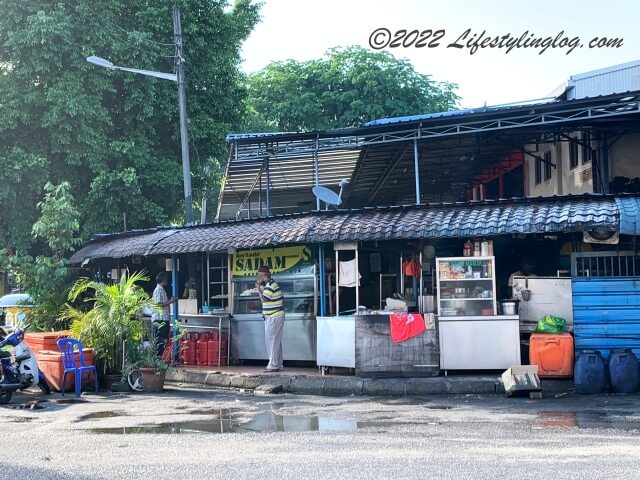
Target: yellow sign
247	262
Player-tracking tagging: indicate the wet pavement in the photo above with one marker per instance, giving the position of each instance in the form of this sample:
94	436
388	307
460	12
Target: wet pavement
199	433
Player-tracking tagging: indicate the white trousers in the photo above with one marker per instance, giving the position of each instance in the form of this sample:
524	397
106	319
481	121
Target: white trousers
273	327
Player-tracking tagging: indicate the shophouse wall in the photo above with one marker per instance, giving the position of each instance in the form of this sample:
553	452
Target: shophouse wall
624	161
625	157
564	179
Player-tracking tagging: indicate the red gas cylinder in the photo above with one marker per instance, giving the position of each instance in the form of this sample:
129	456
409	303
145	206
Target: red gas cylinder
201	356
189	349
216	349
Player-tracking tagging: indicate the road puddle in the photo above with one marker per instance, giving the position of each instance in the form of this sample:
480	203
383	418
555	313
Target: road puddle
588	419
98	415
266	422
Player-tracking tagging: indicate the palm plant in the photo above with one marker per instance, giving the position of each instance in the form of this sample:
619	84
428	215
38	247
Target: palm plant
110	327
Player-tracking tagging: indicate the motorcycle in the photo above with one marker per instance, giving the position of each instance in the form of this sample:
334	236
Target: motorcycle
19	370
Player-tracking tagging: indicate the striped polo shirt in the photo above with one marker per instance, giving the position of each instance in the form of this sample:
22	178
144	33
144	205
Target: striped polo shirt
272	305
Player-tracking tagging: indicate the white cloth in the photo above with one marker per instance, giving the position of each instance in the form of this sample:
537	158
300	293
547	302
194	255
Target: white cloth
349	276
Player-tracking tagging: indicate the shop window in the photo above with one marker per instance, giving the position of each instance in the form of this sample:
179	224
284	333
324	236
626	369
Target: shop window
586	147
547	165
538	171
573	153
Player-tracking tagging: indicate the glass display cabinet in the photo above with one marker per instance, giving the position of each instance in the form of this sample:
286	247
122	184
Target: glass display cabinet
466	286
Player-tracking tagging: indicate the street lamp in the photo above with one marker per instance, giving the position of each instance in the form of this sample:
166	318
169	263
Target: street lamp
184	135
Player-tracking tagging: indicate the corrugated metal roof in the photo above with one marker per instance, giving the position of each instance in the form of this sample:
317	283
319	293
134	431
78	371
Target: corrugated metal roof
474	219
629	215
465	111
604	81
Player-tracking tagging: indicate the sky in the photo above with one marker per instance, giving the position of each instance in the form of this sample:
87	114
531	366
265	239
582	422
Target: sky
306	29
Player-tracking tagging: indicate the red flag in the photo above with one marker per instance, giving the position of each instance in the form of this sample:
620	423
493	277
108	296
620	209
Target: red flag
405	326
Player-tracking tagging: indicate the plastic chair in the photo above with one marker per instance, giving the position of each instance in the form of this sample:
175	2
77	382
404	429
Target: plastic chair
67	346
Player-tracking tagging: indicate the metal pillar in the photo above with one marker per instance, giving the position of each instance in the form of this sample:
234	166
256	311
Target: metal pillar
417	169
605	164
268	196
316	172
184	135
322	274
174	292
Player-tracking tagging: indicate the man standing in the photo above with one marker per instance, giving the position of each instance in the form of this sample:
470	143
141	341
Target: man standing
273	313
160	320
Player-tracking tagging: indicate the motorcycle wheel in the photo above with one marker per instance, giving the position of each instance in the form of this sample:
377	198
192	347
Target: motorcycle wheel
5	396
44	386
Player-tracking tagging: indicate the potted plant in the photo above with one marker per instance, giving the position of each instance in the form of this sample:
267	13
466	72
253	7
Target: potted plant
110	327
144	369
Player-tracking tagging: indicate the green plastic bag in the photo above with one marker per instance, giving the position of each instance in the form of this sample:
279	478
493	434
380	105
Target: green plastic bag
550	324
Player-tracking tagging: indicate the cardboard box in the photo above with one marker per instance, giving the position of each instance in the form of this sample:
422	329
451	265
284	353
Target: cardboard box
186	306
523	378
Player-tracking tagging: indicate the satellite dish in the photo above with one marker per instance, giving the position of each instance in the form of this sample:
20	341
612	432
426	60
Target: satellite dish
329	197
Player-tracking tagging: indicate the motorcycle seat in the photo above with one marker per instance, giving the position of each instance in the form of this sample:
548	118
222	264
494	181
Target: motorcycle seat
5	354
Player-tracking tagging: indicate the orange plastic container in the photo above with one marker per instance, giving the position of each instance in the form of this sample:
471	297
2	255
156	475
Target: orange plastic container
553	353
44	340
50	363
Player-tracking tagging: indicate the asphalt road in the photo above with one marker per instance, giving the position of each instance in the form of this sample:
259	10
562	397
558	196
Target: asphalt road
201	434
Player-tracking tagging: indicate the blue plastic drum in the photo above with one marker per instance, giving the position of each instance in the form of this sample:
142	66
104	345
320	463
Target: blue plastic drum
590	374
623	371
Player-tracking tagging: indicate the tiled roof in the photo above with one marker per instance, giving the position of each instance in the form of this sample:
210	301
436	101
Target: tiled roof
474	219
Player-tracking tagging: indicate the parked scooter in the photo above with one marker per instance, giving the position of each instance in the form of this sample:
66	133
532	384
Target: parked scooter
20	369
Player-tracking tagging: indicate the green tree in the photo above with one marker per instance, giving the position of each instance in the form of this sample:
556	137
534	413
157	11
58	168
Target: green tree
114	136
348	87
46	276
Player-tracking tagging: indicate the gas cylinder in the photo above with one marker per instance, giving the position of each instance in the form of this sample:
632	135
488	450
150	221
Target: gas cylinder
201	355
216	349
189	348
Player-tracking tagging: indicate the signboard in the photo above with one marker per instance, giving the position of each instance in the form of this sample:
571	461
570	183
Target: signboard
279	260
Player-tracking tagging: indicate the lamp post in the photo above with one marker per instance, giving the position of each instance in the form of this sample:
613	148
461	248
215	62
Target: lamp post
179	79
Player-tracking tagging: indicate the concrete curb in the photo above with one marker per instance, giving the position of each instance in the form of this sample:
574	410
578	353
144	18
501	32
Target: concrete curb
314	385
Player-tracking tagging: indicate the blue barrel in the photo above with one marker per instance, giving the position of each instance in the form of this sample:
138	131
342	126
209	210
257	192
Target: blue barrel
590	373
623	371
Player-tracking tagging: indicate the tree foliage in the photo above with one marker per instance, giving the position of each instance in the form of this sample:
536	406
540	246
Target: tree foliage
46	276
114	136
348	87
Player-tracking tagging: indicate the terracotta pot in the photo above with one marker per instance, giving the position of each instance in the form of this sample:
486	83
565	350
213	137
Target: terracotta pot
152	381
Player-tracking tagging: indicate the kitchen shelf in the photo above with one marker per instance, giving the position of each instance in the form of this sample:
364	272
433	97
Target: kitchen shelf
218	281
489	279
470	298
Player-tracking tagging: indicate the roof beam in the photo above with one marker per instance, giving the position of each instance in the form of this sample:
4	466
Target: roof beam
388	170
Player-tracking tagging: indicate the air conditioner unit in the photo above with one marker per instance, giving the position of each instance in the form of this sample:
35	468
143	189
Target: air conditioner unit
601	236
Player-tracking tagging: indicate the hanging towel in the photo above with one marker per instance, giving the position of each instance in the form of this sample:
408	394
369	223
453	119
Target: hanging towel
349	276
405	326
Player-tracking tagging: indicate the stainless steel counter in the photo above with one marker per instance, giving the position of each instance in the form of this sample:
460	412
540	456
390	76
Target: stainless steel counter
298	342
490	342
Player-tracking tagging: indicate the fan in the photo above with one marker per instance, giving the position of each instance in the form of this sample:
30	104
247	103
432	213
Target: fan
601	236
